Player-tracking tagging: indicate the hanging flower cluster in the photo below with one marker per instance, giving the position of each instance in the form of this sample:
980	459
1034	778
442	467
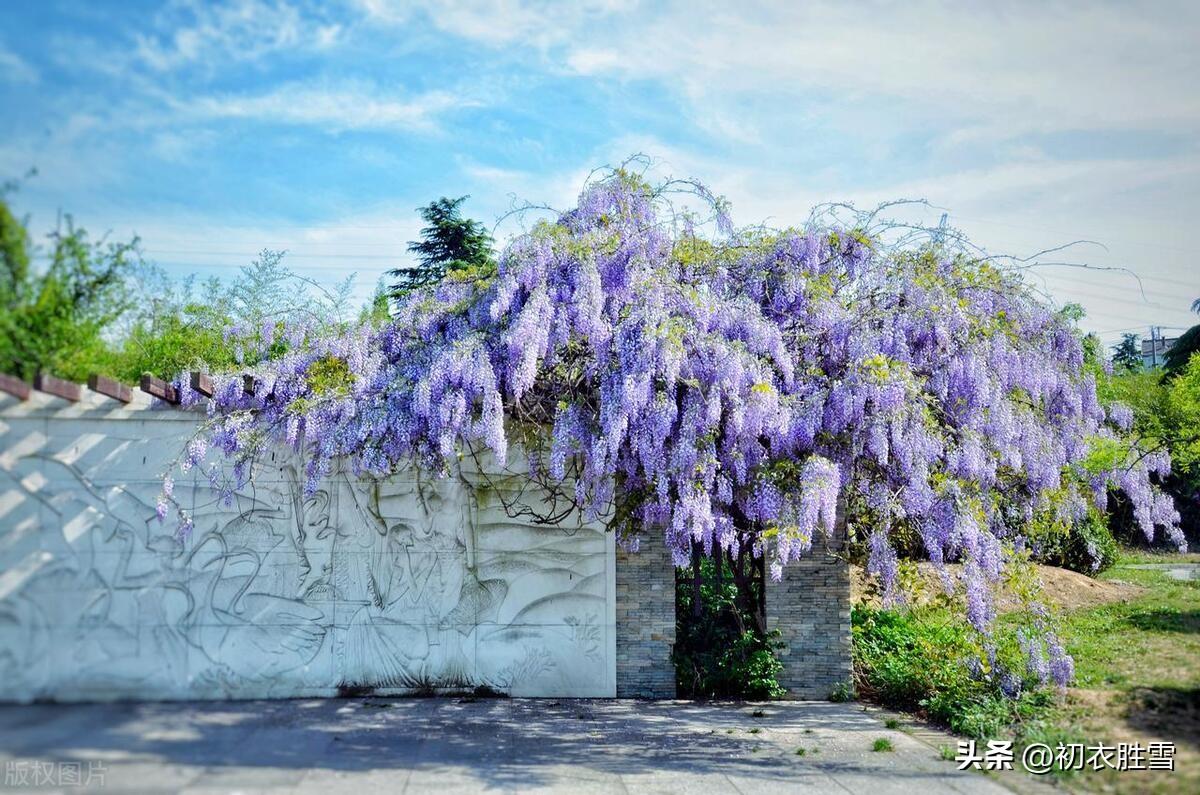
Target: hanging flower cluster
722	388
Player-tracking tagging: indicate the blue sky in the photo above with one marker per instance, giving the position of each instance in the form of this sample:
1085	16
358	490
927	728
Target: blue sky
214	130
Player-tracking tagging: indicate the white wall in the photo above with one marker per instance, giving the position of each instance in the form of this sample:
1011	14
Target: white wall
403	584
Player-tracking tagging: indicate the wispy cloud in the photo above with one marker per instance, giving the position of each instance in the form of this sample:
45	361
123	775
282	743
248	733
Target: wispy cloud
188	32
1018	67
1032	122
363	245
14	68
536	25
332	108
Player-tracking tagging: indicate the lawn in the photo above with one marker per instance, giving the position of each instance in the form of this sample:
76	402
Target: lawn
1137	676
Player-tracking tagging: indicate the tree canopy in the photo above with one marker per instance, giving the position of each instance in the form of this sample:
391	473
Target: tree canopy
725	389
1176	359
79	306
53	318
1128	353
449	243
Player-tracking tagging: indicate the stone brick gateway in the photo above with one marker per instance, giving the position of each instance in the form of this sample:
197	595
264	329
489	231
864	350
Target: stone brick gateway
810	607
412	584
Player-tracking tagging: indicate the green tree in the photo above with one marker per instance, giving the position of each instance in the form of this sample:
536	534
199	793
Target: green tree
221	325
378	311
1166	416
1183	408
1176	359
450	242
96	307
1128	354
55	319
177	330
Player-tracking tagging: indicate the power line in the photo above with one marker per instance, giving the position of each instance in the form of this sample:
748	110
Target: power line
254	255
290	254
1127	274
1072	285
1090	238
1132	297
249	256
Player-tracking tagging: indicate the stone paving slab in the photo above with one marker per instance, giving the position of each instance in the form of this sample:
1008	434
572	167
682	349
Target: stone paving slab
447	745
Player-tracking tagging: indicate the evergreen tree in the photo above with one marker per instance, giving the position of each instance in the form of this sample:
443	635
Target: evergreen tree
450	242
1128	354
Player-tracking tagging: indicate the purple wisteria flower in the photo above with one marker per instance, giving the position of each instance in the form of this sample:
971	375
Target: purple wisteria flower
727	390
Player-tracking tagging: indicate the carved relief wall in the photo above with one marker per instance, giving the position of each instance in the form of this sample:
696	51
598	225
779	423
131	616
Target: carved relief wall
407	584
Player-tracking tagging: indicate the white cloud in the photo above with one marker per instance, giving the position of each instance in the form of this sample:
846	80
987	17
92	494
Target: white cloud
190	32
1029	65
71	156
974	82
346	106
741	95
539	24
176	146
1005	69
15	69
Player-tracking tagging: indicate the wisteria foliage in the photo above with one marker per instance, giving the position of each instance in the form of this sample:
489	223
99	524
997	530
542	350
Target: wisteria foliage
722	387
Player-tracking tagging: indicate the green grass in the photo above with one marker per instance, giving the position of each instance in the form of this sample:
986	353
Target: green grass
1135	666
882	744
1146	642
800	752
892	723
1128	556
1136	675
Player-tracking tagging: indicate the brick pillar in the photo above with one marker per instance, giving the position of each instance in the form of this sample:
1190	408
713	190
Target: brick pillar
645	620
810	606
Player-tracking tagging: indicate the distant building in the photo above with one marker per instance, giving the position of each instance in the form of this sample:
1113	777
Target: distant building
1154	350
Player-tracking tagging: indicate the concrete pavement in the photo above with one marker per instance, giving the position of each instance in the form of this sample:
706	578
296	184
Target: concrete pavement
449	745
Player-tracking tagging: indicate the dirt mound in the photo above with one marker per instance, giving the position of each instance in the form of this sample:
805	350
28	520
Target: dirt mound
1071	590
1061	588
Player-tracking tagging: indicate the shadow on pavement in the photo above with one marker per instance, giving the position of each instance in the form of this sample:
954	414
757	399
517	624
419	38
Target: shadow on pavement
500	743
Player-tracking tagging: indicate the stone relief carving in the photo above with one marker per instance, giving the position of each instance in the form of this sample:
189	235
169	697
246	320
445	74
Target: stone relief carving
410	583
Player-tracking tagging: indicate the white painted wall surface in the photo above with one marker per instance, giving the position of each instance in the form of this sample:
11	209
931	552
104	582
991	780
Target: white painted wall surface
409	583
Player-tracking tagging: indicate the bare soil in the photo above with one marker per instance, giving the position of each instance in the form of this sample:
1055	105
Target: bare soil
1061	588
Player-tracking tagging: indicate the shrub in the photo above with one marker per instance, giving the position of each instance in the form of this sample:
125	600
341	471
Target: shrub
1087	547
919	663
96	307
745	668
721	651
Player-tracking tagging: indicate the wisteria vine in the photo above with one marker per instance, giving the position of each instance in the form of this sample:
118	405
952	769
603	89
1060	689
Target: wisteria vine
722	387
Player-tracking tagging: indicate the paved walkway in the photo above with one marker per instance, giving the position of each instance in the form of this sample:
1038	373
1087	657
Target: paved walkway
447	745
